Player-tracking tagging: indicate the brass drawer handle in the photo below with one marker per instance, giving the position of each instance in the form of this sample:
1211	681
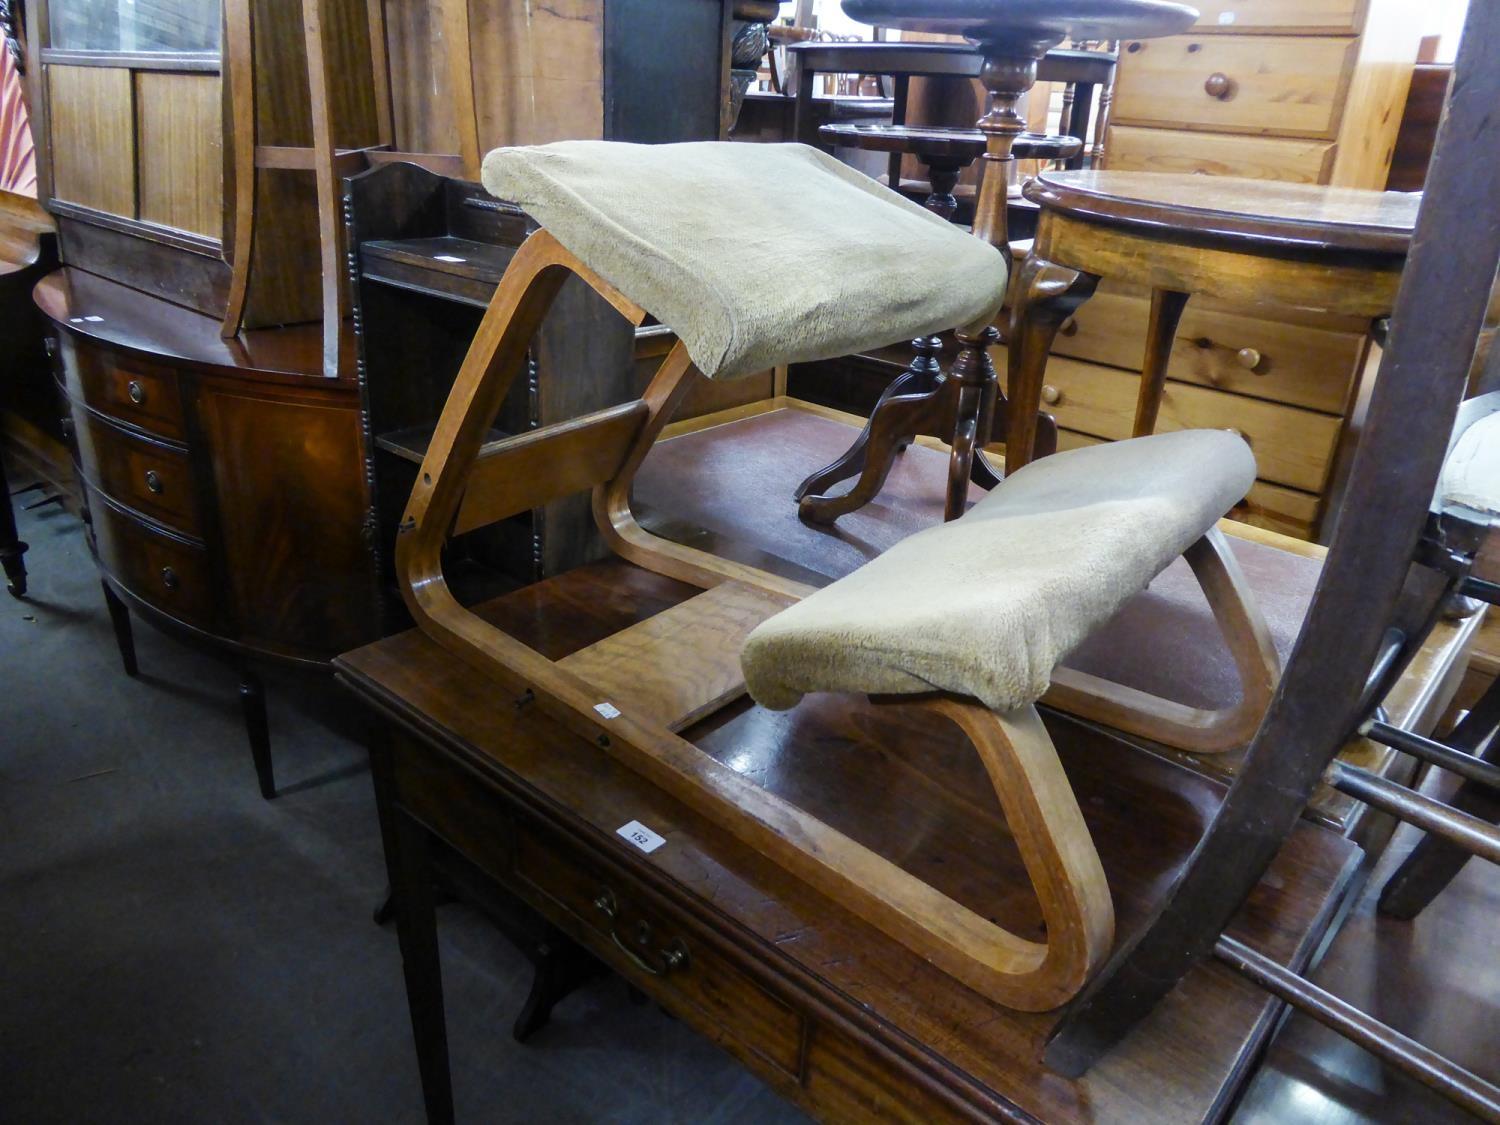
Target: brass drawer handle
136	391
169	578
1219	85
153	481
671	957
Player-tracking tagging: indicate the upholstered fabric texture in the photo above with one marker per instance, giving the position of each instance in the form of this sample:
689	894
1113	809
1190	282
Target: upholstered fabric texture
1471	475
986	606
754	255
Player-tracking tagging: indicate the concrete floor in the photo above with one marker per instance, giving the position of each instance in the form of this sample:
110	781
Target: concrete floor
175	949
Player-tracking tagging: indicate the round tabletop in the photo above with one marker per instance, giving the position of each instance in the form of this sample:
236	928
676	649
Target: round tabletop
1032	20
1268	213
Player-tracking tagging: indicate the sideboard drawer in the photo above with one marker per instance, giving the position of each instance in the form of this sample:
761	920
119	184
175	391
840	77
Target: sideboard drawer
142	394
638	936
1302	360
154	565
1324	17
1130	149
1283	85
149	476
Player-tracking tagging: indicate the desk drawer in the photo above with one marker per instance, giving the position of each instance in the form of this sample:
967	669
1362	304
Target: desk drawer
1302	360
1270	84
142	394
157	567
649	945
1130	149
140	473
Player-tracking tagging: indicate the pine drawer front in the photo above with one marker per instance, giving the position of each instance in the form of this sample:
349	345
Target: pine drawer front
1271	506
162	569
637	935
1288	17
1301	361
1279	85
123	387
1292	446
1132	149
147	475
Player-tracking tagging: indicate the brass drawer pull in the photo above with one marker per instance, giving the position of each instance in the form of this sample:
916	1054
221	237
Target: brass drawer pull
136	391
1219	85
169	578
153	481
671	957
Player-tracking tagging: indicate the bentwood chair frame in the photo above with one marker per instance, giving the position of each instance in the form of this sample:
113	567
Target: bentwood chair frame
1396	558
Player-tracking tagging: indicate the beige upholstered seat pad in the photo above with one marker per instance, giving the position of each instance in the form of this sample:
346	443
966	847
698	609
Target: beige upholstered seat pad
1471	475
987	605
754	255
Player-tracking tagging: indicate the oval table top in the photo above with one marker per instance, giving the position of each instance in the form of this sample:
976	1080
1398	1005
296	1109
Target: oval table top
1033	20
945	141
1267	213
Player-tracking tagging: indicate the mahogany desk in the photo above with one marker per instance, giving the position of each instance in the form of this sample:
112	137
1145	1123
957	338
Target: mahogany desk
831	1013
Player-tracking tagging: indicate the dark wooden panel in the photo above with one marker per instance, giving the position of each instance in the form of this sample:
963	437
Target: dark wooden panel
199	282
288	477
663	70
125	387
148	476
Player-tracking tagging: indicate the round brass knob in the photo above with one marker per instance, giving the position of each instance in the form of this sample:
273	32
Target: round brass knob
169	578
1219	85
1248	358
136	391
1051	395
153	481
1069	327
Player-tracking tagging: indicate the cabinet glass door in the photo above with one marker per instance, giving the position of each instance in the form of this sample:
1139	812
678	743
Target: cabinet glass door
135	26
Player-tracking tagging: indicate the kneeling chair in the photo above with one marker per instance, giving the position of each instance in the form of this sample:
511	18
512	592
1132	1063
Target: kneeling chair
968	619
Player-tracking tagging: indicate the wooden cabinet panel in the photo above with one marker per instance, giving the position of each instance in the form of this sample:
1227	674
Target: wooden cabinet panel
148	476
180	151
1291	446
92	137
1130	149
1295	361
126	388
288	478
1278	84
1326	17
162	570
535	79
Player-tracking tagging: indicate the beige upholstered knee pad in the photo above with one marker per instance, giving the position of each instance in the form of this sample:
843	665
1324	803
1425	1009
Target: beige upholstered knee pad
988	605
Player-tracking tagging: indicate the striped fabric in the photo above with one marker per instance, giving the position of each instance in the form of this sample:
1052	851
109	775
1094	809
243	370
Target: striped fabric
17	152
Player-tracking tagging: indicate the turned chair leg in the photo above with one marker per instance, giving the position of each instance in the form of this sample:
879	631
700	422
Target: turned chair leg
119	618
1434	862
258	728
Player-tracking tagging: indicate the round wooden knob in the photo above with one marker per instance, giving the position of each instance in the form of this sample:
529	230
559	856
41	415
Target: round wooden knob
1051	395
153	481
1248	358
169	578
1219	85
1069	327
136	392
1240	434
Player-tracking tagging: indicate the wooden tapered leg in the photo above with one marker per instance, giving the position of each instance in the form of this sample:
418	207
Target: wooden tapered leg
1166	314
416	928
12	550
1045	295
1434	862
257	729
119	618
919	377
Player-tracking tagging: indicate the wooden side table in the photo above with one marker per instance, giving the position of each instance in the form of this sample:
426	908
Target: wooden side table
1252	242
